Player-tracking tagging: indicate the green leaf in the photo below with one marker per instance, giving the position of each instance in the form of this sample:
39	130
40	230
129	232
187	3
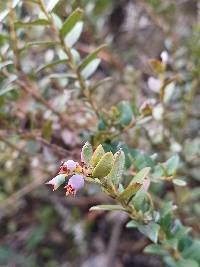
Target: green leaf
91	57
184	243
138	199
193	251
188	263
74	52
118	167
179	182
166	209
70	22
98	154
5	64
4	13
135	184
61	76
129	192
171	262
52	4
90	63
141	175
57	21
165	223
102	125
93	180
151	231
72	37
50	65
107	207
104	166
15	3
7	85
125	115
179	230
158	171
90	68
171	165
143	160
37	22
156	249
132	224
47	43
86	154
172	242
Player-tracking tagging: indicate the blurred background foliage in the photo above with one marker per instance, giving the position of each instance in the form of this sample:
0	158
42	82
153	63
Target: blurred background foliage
45	117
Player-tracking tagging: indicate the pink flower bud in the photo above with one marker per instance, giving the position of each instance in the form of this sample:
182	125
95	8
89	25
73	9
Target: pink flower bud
57	181
71	165
68	166
75	183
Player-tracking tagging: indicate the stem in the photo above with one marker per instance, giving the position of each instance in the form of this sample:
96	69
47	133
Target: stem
29	88
82	83
13	35
135	215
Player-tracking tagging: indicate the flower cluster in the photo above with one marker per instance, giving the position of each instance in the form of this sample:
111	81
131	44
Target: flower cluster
70	174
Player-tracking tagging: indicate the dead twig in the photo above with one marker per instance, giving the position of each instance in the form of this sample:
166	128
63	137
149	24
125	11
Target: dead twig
14	198
114	239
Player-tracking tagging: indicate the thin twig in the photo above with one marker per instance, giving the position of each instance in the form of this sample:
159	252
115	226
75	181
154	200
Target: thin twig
114	239
14	198
82	83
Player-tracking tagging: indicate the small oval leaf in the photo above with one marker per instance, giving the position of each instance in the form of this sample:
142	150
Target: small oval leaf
151	231
52	4
37	22
90	68
104	166
179	182
72	37
141	175
70	22
86	154
107	207
98	154
118	167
